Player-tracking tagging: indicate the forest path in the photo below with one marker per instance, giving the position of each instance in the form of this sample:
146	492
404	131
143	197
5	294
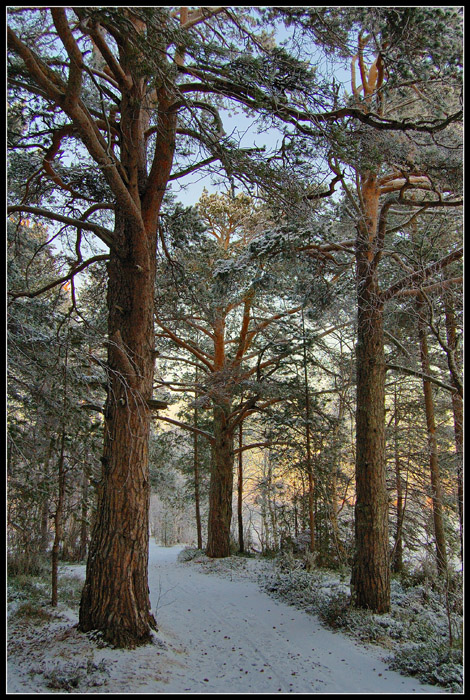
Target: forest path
231	637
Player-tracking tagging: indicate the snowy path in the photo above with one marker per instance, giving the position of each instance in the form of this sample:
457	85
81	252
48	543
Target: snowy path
234	638
215	635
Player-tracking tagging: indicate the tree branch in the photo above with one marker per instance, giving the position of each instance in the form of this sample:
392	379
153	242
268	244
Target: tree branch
74	271
420	275
421	375
103	234
186	426
74	83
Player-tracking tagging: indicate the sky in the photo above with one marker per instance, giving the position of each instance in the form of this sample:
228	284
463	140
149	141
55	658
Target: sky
242	128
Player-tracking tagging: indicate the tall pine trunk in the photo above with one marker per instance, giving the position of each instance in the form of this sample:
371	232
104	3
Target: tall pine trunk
221	485
370	581
115	598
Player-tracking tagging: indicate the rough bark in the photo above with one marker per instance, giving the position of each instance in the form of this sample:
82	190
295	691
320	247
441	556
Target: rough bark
221	485
115	598
311	480
370	581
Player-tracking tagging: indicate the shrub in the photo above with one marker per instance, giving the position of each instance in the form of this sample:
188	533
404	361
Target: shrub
36	612
417	628
189	553
334	611
432	663
70	676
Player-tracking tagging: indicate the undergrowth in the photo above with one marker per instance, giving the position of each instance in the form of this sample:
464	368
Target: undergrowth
29	595
423	630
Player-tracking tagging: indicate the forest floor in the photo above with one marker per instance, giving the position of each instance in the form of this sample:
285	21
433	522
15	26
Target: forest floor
218	633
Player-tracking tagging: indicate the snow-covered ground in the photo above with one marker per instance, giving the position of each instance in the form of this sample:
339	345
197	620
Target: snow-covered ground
217	634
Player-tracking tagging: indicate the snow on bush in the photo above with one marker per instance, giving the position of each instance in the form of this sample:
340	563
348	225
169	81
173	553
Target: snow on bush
416	629
431	662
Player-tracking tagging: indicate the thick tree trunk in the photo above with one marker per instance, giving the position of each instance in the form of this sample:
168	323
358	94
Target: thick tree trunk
221	485
115	598
370	581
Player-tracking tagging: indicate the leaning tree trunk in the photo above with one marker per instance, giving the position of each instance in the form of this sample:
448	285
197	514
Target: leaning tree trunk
115	598
221	485
370	581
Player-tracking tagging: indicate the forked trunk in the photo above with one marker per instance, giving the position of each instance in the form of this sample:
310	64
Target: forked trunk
221	485
115	599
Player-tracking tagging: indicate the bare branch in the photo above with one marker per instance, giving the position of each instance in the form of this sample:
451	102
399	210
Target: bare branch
186	426
421	375
103	233
201	15
420	275
74	271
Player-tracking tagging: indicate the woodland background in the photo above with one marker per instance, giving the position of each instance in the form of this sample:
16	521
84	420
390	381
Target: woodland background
289	345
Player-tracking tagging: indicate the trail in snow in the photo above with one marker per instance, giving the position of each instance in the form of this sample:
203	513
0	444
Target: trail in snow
215	635
236	639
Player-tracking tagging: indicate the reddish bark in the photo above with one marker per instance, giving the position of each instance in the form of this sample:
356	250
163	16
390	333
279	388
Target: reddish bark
370	581
221	487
